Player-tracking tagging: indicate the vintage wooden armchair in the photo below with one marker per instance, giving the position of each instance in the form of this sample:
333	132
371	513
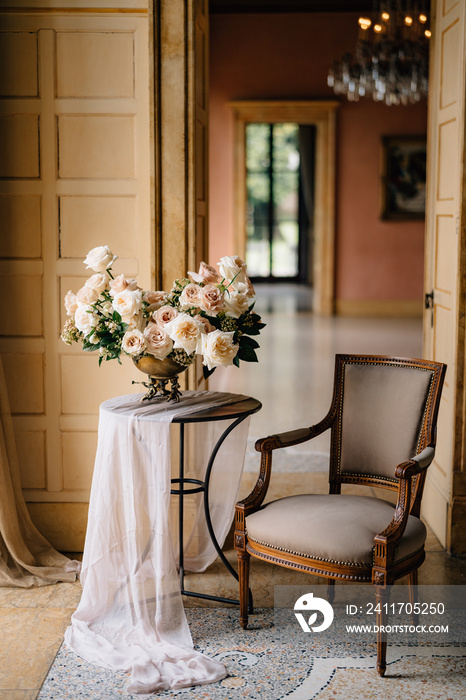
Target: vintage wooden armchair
383	427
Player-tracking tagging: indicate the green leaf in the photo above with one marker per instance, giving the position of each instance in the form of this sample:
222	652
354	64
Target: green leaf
207	372
245	340
236	361
247	354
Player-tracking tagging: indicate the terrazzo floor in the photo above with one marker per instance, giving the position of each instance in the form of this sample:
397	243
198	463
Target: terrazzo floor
266	663
296	360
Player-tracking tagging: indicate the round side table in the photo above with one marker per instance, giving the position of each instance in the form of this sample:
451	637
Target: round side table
237	412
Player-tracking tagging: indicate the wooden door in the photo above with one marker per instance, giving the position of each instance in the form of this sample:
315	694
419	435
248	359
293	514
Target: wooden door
444	502
74	174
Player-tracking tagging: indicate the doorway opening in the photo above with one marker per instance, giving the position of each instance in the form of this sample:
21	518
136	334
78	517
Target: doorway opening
280	201
317	262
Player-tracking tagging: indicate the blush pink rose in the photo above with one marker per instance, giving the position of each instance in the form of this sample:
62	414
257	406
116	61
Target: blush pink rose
154	299
120	284
207	274
158	343
207	327
189	297
211	299
164	315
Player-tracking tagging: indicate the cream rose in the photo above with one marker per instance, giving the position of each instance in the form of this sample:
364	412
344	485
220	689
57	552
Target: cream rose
71	303
133	342
184	330
245	288
87	295
189	297
236	304
100	259
99	282
84	319
127	303
218	349
207	274
232	268
154	299
133	322
164	315
158	342
120	284
211	299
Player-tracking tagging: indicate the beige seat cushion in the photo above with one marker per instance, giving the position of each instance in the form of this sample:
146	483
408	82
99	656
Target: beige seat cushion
331	528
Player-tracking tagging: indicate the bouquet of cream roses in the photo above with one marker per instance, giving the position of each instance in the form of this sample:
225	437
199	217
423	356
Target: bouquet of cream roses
208	313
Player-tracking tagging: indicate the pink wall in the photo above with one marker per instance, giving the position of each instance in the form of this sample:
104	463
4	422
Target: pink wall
279	56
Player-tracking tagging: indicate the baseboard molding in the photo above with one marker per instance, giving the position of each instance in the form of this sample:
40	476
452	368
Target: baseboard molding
434	511
379	308
62	524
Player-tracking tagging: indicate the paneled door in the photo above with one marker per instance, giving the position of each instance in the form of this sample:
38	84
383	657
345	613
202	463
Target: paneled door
74	174
444	501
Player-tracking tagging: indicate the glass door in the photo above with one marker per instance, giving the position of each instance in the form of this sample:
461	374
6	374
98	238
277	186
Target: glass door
274	249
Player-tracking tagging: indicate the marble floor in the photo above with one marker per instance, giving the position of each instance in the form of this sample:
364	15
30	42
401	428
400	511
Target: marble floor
293	380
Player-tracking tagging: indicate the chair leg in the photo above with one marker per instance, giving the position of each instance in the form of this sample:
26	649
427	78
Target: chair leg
381	599
243	573
331	590
413	595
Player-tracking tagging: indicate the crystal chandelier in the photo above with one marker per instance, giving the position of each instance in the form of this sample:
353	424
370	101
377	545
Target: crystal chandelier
391	58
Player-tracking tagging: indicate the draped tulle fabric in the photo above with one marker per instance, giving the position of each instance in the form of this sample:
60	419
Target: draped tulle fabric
131	615
26	558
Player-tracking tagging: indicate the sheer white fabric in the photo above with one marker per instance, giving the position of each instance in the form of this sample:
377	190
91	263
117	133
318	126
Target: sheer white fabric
131	615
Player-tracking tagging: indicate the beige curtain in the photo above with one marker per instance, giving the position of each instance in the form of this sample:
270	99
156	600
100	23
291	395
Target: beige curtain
26	558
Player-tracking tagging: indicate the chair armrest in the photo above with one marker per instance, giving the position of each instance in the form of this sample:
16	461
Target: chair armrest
266	446
293	437
416	465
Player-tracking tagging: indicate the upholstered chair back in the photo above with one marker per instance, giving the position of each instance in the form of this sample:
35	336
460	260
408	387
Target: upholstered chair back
382	414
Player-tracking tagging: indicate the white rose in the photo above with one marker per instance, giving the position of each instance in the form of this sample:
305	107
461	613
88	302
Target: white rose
133	342
84	319
99	282
128	303
218	348
87	295
236	304
158	342
133	322
184	331
100	259
232	268
71	303
245	288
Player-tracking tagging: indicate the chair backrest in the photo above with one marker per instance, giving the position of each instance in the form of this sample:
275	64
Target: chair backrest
385	413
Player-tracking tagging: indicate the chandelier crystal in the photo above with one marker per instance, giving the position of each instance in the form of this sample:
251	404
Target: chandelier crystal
391	59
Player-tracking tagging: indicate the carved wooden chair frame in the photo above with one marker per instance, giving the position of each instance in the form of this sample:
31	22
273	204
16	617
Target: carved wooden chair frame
408	481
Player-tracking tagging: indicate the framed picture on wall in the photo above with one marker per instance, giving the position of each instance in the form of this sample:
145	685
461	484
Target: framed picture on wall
403	177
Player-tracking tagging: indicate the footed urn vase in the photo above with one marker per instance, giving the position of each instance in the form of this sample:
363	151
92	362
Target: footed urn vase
160	372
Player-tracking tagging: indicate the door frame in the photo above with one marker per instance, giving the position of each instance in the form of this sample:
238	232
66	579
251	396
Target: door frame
322	114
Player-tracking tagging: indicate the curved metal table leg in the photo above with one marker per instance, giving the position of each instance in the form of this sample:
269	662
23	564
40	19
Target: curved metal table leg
210	529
